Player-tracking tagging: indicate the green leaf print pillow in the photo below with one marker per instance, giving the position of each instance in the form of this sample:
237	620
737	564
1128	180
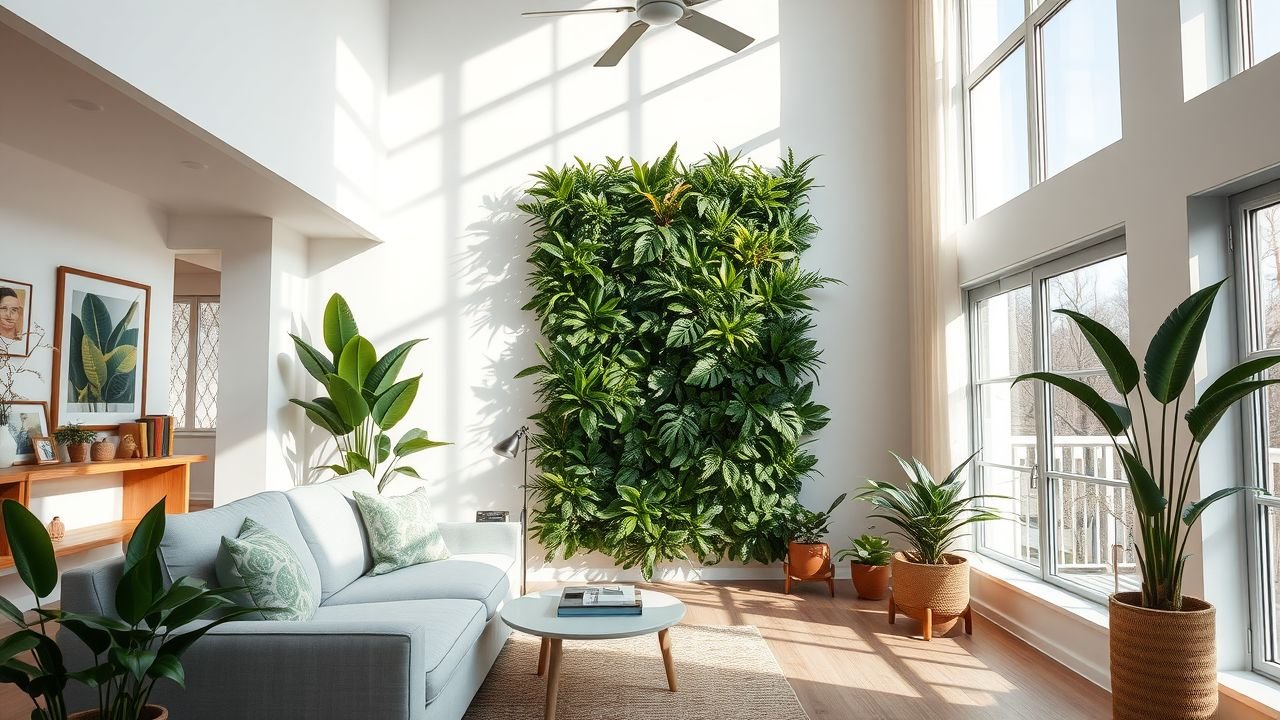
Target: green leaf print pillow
269	570
401	530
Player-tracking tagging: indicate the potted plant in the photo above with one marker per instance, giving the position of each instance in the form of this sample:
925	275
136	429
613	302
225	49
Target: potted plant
808	555
76	440
1146	679
869	557
131	652
929	583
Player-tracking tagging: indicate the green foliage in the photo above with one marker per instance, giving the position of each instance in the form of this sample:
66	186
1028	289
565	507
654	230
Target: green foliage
677	376
73	434
810	526
930	515
365	398
1159	470
103	358
867	550
131	652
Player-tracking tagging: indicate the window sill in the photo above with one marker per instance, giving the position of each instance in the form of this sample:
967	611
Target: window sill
1257	692
1027	584
195	433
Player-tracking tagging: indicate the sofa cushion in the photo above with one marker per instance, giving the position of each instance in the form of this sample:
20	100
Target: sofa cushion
270	572
401	530
191	541
478	576
331	525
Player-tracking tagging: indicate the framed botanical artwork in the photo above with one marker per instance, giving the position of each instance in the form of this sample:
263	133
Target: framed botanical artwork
101	332
46	452
28	419
15	318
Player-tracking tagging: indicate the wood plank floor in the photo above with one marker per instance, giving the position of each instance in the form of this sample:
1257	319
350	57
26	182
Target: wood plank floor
845	661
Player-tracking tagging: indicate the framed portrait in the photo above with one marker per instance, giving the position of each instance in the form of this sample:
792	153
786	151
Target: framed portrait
46	452
101	331
15	318
28	420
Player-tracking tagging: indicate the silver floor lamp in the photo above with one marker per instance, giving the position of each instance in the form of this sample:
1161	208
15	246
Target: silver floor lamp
509	448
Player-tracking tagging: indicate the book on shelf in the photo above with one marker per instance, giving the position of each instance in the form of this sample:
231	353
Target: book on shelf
158	433
600	600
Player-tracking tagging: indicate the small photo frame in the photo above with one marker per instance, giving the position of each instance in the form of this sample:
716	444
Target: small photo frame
15	318
45	450
28	419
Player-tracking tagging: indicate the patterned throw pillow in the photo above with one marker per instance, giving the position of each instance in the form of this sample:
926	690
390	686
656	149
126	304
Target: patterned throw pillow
401	530
271	573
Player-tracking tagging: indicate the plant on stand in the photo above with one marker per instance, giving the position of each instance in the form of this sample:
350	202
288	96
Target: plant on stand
869	557
12	369
365	399
76	440
1147	680
132	652
808	555
929	583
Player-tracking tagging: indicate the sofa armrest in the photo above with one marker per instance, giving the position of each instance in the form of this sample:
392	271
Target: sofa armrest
91	589
473	537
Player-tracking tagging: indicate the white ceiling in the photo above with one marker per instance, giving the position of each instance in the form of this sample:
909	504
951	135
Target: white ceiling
136	143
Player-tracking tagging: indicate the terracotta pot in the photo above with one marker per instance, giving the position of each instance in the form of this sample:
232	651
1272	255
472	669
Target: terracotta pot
871	581
809	560
943	589
78	453
150	712
102	450
1163	663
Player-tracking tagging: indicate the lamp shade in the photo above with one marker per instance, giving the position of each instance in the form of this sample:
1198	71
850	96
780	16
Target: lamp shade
509	446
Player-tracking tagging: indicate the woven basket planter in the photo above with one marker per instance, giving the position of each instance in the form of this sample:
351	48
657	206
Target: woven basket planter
937	595
102	451
1163	663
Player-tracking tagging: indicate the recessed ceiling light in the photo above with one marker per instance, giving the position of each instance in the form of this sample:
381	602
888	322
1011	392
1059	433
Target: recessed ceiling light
193	165
85	105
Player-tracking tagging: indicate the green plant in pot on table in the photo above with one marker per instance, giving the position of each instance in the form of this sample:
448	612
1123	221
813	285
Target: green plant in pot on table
869	557
132	652
1159	463
76	440
929	583
365	398
808	555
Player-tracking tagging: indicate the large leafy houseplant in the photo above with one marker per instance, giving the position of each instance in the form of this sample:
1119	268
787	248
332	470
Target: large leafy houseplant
1158	468
365	397
132	652
677	372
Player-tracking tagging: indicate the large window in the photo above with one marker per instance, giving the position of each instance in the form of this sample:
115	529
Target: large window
193	364
1068	505
1042	83
1256	237
1259	30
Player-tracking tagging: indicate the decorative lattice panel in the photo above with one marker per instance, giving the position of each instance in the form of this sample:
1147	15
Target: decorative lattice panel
179	359
206	390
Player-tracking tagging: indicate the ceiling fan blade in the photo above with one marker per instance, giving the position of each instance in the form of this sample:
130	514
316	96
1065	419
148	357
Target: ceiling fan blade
620	46
715	31
582	11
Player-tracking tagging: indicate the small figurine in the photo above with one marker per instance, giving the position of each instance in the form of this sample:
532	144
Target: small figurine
128	447
57	529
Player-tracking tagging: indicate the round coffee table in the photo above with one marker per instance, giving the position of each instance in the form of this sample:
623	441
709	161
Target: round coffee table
535	614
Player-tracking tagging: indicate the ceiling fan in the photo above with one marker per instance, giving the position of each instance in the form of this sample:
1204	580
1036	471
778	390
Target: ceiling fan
651	13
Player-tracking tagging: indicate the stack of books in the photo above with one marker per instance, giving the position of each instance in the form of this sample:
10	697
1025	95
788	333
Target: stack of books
153	434
600	600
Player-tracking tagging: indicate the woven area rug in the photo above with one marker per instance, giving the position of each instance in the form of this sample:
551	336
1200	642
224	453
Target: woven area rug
723	673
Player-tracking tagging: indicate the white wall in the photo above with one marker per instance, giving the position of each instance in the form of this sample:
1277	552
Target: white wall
480	97
294	84
50	216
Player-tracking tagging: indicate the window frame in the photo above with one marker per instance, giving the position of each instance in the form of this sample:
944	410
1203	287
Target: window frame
1108	246
193	303
1253	420
1240	40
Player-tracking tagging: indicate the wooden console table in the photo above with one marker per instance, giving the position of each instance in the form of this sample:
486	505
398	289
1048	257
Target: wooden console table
146	480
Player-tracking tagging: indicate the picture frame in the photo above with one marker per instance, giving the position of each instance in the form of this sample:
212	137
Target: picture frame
28	419
45	450
15	318
102	330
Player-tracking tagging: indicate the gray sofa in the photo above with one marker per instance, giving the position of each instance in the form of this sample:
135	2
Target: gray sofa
414	644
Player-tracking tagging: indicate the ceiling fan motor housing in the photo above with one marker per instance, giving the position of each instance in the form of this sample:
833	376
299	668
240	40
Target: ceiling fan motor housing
660	12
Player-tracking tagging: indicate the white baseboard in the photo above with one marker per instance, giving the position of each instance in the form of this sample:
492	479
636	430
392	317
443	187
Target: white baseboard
1095	673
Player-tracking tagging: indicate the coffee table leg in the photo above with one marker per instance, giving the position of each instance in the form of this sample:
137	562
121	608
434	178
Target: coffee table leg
553	679
542	656
664	642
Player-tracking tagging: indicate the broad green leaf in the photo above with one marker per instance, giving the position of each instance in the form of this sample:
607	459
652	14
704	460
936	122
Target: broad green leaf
385	371
384	448
1115	418
1192	512
1111	350
146	538
409	472
95	365
96	320
312	359
1244	371
18	643
323	415
355	362
122	327
11	611
347	401
414	441
168	666
1171	356
75	363
31	549
392	405
123	359
339	325
358	461
1148	499
1204	417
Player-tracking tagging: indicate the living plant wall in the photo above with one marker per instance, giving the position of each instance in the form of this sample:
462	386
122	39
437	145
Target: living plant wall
678	362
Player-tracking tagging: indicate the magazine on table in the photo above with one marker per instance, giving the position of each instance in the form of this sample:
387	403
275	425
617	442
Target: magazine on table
600	600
